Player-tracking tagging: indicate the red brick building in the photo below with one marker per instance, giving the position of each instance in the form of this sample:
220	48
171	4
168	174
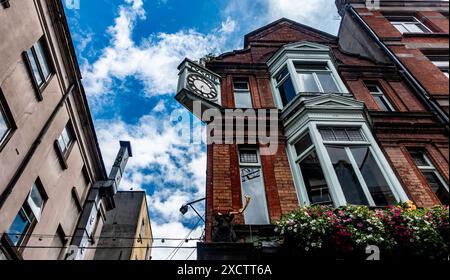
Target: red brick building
354	127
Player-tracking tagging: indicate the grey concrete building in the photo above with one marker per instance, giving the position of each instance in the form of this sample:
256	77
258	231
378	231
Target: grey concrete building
54	190
127	233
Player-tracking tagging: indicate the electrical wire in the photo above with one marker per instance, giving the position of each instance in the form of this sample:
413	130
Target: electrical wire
175	251
99	248
193	251
47	236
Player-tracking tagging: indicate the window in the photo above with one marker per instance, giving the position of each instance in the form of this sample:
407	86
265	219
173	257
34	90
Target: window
359	174
252	184
408	24
312	78
65	139
242	94
6	121
431	175
148	253
29	214
340	166
38	61
441	62
285	86
311	172
5	127
315	78
383	102
142	231
342	134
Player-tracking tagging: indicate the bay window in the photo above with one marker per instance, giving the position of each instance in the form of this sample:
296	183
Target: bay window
311	172
315	78
252	184
340	165
285	86
304	69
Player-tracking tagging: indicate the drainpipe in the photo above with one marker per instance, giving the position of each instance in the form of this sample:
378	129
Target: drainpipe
412	81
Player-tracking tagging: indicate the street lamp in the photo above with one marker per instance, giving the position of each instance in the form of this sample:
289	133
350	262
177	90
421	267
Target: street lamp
185	208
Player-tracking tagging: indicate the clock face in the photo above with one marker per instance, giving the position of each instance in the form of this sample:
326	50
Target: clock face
202	86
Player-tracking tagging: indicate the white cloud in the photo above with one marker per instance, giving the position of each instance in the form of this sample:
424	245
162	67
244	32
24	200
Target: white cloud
163	158
153	61
320	14
166	160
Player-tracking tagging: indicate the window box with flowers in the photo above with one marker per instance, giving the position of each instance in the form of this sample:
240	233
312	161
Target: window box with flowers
344	233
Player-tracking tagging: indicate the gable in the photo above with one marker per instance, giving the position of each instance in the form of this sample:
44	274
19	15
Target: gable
285	30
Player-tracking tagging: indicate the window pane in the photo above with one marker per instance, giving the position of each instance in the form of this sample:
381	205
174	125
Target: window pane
437	186
400	28
314	180
240	84
3	125
287	92
302	145
327	134
373	88
252	185
327	82
355	134
419	158
381	103
243	100
34	67
415	27
61	144
347	177
282	75
308	83
42	59
35	201
66	136
249	156
311	67
340	134
19	227
373	177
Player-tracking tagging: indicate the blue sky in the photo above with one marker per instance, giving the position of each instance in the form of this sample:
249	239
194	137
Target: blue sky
129	51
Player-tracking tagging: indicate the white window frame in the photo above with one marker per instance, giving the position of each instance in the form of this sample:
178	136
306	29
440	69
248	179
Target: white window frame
259	165
403	24
430	168
293	74
302	192
443	66
380	93
36	209
335	188
242	91
66	147
316	78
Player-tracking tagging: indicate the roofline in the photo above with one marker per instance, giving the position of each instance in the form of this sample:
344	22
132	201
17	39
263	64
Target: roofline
78	77
320	32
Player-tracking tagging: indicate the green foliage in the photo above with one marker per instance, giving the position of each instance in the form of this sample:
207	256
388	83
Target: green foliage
347	231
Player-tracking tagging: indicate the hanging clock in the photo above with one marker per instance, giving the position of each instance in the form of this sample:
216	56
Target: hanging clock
202	86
